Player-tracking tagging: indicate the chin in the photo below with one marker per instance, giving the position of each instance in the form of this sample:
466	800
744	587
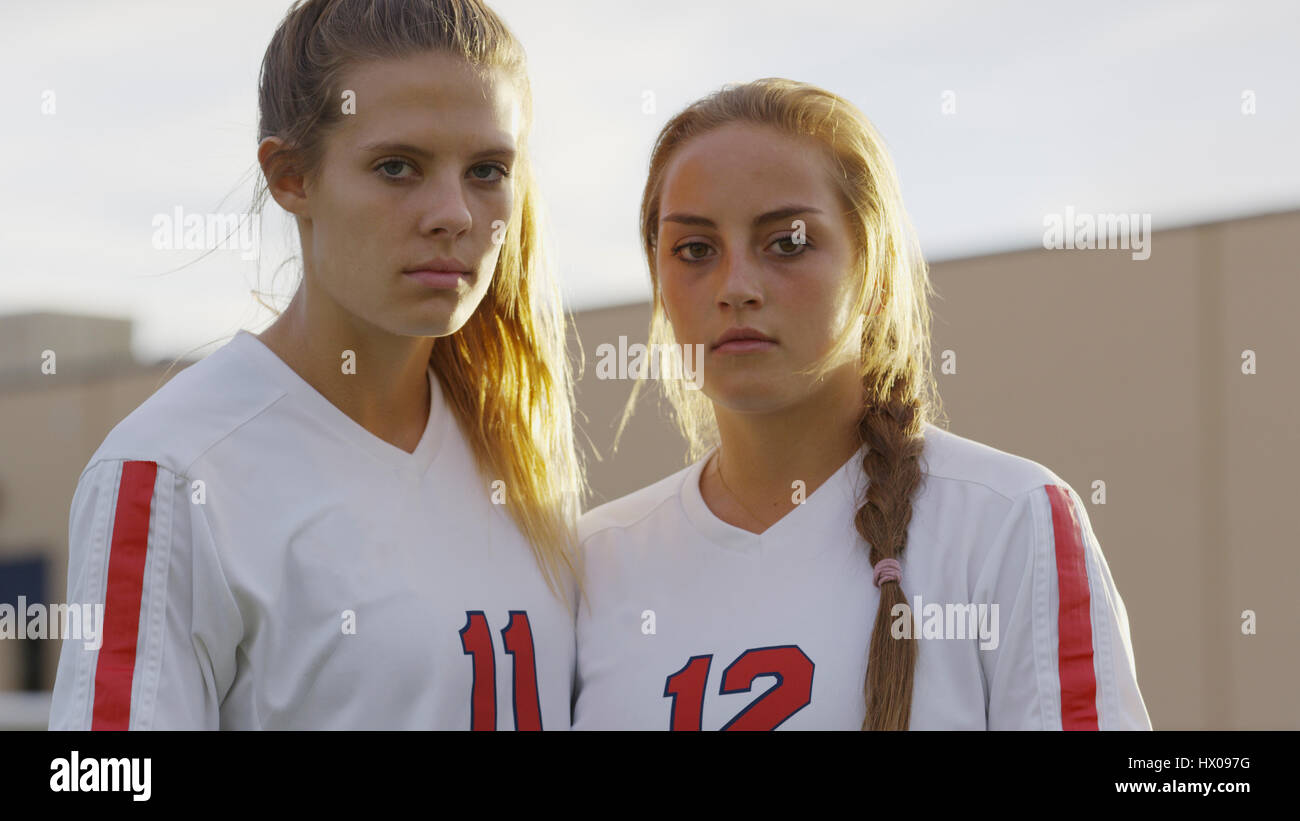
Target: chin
745	394
427	325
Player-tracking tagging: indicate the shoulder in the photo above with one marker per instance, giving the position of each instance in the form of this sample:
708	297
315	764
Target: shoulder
1001	506
635	507
196	409
1006	513
951	459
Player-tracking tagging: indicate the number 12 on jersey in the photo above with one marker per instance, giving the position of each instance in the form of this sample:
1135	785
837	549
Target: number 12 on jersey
517	637
791	693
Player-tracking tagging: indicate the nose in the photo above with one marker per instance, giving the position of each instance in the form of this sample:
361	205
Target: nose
740	285
446	210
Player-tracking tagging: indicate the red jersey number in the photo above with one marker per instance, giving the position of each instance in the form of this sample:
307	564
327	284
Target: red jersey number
517	637
791	693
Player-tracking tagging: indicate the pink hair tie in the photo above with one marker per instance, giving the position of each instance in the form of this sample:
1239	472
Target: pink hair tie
887	570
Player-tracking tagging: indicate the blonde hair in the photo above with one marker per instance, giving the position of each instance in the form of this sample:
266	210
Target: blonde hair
892	348
505	374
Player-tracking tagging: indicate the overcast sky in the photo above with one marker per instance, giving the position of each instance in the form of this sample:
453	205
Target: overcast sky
1118	107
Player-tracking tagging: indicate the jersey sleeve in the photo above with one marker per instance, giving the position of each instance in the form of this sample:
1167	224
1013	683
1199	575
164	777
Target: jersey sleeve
141	558
1064	660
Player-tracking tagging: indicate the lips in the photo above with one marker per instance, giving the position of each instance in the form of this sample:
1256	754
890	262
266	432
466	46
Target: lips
439	279
743	338
441	273
440	265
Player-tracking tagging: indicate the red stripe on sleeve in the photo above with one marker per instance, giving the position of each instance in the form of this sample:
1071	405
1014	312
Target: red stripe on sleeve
125	587
1074	622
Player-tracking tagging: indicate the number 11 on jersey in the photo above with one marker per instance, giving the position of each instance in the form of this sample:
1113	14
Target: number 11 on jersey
517	637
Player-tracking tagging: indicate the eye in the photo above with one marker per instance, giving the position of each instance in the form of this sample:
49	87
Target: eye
393	163
691	256
789	247
499	168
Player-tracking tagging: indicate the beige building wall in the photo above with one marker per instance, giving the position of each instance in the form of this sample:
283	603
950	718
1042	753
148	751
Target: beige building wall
1108	369
50	425
1103	368
1250	551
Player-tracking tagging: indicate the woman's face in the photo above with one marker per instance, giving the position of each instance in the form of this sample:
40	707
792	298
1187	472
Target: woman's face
416	178
728	257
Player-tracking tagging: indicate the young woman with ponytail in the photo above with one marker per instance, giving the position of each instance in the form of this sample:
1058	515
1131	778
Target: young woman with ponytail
361	518
772	582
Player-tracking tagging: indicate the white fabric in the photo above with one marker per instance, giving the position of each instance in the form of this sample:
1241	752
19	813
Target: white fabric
981	531
305	515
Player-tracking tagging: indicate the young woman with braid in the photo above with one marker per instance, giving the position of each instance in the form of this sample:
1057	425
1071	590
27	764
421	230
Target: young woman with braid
789	577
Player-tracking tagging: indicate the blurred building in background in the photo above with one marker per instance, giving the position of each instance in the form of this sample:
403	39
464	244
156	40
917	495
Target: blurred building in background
1123	376
65	381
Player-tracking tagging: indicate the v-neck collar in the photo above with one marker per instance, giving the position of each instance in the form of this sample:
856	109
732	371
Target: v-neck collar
413	465
835	496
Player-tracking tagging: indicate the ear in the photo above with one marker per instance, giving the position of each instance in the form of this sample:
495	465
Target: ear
283	181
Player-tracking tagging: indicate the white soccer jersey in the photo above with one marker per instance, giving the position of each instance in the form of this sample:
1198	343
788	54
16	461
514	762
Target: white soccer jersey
266	562
693	623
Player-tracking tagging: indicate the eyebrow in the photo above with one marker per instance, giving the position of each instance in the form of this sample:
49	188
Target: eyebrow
785	212
408	148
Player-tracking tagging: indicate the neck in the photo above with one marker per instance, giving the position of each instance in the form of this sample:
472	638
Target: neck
383	386
764	454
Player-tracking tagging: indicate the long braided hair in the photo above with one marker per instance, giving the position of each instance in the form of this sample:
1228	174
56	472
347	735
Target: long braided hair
893	333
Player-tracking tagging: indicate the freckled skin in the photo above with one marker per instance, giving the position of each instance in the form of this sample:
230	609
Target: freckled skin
757	277
361	229
371	213
776	425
